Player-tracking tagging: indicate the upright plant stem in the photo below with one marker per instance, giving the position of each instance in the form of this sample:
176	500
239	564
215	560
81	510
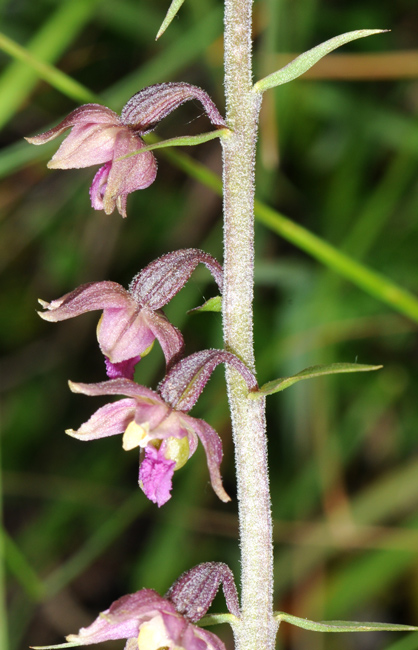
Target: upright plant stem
257	629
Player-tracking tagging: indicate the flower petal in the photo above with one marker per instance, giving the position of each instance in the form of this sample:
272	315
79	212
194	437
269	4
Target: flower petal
86	114
119	387
176	628
124	333
213	449
155	476
193	592
184	383
101	630
123	618
98	186
171	426
130	174
168	336
142	604
211	641
86	145
149	407
87	297
161	280
109	420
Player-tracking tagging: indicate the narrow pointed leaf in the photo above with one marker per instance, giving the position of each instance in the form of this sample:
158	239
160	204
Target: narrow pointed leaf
280	384
343	626
305	61
170	15
213	304
181	141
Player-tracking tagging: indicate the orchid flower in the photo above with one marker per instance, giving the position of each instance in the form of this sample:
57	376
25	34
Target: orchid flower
132	319
166	438
158	422
149	622
100	136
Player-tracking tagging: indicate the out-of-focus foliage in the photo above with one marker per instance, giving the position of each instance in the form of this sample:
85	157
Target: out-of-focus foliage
339	157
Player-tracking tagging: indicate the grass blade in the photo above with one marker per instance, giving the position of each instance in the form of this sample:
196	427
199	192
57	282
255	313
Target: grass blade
18	80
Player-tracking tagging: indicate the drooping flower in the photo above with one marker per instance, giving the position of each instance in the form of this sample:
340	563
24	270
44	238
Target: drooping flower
167	438
150	622
100	136
132	319
158	422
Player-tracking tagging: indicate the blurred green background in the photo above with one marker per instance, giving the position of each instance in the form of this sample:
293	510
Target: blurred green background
338	156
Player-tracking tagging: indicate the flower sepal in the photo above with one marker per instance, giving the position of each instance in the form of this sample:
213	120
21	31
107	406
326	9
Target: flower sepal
184	383
193	592
150	105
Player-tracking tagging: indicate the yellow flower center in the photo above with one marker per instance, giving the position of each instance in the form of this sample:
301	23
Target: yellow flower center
153	636
136	435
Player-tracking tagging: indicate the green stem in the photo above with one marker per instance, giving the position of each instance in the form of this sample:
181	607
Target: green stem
257	627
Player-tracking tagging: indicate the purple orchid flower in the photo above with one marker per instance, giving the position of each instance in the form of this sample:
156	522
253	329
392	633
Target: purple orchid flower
149	622
100	137
166	437
132	319
158	423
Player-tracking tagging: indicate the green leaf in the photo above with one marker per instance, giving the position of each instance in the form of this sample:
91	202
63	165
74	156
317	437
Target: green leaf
342	626
277	385
182	141
305	61
172	11
213	304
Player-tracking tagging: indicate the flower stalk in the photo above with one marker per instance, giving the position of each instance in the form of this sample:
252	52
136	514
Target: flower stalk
257	627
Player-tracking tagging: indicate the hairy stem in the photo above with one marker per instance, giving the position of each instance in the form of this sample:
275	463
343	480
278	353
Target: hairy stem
257	629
